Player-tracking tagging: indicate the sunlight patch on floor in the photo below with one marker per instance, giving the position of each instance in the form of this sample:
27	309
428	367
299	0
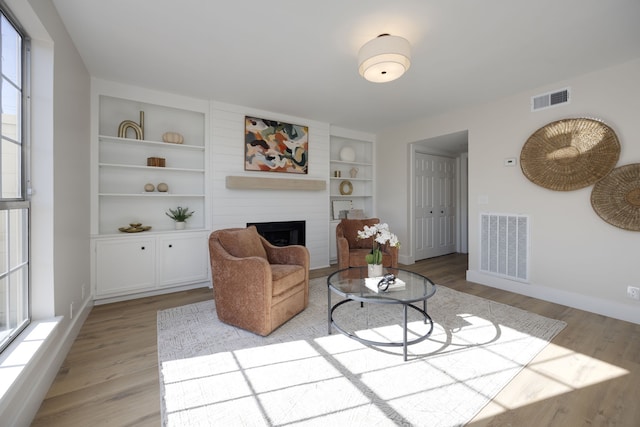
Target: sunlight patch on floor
262	382
555	371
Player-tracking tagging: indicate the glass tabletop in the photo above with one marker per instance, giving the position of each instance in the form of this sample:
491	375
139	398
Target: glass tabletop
350	283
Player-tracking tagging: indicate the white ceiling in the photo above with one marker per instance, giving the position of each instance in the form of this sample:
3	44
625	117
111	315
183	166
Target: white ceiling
299	57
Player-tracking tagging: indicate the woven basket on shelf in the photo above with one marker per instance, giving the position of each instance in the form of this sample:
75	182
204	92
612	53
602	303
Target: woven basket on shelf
570	154
616	197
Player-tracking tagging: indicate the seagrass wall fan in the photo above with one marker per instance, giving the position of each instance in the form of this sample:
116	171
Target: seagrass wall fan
570	154
616	197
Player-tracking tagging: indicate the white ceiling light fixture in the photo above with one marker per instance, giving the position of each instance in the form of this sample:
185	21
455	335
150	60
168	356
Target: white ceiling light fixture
384	58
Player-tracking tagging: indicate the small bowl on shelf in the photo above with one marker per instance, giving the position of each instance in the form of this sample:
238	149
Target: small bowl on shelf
135	228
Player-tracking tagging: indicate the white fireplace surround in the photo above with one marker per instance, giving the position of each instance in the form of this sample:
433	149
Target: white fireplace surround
236	207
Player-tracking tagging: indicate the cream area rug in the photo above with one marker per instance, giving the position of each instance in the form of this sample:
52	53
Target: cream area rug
213	374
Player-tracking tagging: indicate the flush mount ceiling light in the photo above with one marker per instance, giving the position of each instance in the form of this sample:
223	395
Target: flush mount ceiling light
384	58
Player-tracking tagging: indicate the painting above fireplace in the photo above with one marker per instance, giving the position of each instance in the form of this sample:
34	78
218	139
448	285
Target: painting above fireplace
274	146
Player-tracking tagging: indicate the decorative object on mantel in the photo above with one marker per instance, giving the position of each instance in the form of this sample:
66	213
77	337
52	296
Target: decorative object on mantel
135	227
616	197
282	184
148	187
354	172
346	188
162	187
180	216
173	138
274	146
348	154
381	236
130	124
570	154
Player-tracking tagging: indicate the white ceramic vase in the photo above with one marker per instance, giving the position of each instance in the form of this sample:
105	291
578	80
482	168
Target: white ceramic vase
180	225
374	270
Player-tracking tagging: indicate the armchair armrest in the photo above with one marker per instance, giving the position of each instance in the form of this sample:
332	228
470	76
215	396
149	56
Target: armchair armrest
343	252
293	254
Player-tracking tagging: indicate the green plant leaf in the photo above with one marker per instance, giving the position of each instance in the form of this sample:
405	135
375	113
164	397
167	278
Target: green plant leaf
179	214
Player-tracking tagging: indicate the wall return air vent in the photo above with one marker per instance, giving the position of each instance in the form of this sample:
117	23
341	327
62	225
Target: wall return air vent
550	99
504	245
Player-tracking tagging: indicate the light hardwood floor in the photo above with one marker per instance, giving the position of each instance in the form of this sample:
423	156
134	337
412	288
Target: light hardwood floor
588	376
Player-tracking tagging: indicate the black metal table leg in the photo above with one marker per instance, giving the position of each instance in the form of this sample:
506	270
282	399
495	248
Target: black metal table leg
329	311
404	337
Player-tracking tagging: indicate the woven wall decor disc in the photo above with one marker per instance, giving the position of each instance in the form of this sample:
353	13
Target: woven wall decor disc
616	197
570	154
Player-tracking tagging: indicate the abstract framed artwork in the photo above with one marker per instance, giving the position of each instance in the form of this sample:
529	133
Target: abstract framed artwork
274	146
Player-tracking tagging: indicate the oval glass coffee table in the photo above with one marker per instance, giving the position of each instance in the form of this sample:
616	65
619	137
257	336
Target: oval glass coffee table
351	285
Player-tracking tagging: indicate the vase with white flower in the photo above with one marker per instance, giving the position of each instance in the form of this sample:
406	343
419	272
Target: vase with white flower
381	236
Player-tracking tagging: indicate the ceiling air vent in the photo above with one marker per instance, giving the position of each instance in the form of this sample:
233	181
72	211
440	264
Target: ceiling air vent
550	99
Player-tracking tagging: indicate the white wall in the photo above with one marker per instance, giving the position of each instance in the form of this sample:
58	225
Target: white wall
577	259
60	202
235	208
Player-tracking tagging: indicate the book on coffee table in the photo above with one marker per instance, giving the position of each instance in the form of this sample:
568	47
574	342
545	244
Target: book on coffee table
372	283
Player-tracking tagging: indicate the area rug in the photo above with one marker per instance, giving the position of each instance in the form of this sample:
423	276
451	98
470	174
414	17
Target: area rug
215	374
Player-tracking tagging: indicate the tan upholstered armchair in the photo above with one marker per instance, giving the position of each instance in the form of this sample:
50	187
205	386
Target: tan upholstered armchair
257	286
352	251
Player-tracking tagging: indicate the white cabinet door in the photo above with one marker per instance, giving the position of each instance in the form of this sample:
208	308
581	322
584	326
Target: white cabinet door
435	210
183	259
125	266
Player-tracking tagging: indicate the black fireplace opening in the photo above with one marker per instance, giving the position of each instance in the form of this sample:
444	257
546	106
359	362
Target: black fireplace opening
282	233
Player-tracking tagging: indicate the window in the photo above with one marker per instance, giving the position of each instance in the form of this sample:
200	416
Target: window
14	205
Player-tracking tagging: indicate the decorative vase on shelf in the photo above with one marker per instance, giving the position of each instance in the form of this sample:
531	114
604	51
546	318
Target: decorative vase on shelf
180	225
374	270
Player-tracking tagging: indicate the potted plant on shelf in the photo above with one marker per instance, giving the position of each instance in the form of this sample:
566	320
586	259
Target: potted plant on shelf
180	216
381	236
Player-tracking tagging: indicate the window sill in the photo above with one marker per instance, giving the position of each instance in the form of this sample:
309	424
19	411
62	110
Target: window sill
22	355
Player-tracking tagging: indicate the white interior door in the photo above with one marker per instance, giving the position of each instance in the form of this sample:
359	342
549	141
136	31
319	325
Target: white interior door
435	209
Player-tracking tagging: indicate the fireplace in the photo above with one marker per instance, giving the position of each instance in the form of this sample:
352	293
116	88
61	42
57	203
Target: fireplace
282	233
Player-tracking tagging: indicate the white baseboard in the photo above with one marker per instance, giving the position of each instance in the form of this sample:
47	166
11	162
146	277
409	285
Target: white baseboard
612	309
406	259
99	300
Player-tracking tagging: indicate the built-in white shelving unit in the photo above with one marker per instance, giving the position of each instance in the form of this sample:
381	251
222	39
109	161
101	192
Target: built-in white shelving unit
127	265
350	154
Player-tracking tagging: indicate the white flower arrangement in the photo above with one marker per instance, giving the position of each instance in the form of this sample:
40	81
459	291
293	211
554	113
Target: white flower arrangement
381	236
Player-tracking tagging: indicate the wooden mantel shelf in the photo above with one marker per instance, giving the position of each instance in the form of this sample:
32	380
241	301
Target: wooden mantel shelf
261	183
